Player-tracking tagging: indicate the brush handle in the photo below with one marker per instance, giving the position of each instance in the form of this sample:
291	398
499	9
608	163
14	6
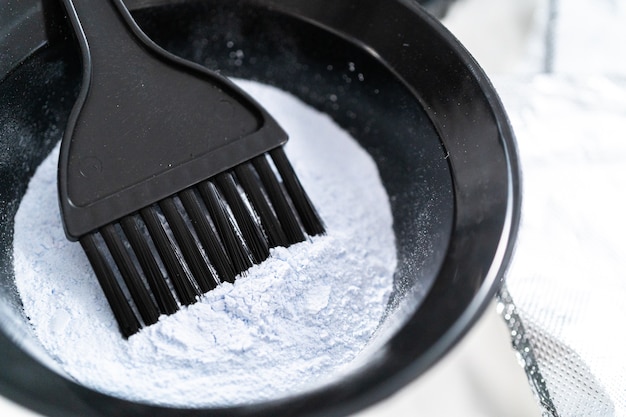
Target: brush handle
110	36
147	124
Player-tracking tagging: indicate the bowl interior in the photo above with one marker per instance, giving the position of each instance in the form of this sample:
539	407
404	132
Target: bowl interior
440	201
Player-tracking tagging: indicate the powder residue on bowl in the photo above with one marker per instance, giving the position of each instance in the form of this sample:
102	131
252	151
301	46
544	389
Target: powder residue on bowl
290	323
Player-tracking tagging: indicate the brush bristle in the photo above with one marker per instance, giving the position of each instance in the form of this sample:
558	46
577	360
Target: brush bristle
151	262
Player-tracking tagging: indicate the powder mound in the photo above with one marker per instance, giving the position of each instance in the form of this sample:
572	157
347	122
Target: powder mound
291	323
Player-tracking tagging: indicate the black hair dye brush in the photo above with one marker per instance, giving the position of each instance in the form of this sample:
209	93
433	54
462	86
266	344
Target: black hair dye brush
172	179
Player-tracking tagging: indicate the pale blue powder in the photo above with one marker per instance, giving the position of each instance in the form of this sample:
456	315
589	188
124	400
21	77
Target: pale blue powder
292	323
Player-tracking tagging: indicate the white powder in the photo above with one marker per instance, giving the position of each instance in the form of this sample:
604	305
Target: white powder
293	322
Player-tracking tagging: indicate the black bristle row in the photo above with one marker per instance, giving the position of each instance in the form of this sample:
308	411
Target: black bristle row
311	221
151	262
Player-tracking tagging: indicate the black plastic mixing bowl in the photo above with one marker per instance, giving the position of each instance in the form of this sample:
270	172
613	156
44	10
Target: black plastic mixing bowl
401	85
